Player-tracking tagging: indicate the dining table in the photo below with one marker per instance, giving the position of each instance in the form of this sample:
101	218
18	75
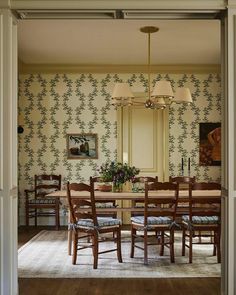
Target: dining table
136	196
125	198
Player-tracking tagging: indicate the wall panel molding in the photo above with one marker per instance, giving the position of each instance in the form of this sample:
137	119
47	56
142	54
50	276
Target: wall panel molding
111	4
57	68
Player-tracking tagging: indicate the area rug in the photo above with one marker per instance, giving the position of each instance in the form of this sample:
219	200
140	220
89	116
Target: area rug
45	256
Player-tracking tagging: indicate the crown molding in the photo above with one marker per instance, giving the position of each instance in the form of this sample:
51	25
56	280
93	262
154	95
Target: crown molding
61	68
121	4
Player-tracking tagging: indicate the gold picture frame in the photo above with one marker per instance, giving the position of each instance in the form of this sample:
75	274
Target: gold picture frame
82	146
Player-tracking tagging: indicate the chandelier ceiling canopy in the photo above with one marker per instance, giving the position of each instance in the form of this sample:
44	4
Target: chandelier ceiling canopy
159	97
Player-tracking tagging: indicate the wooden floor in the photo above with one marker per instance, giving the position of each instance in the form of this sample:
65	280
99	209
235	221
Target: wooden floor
176	286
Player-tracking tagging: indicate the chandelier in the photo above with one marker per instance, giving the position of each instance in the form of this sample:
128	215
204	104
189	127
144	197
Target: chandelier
162	94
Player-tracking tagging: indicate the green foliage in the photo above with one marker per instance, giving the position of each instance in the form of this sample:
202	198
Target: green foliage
117	172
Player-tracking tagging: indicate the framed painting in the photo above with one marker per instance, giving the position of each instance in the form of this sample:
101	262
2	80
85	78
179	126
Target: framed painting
210	144
82	146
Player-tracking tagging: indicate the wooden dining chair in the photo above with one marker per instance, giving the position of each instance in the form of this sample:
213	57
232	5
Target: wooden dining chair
103	203
86	223
160	218
140	181
203	218
183	181
36	202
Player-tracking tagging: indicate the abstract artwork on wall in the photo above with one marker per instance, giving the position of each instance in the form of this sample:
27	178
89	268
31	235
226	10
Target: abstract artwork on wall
210	144
82	146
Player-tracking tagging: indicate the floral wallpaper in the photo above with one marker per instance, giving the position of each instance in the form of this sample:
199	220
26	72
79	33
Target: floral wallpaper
52	105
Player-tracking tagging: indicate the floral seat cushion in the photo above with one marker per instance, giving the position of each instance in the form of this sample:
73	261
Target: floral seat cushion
201	219
152	220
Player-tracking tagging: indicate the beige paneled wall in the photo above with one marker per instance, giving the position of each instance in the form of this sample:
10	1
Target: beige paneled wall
143	140
52	105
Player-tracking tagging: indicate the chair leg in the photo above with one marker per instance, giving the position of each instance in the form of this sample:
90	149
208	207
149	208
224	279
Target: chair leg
118	243
190	246
172	253
218	250
183	241
35	217
162	243
214	244
69	241
145	240
199	237
95	250
26	215
75	246
133	232
57	214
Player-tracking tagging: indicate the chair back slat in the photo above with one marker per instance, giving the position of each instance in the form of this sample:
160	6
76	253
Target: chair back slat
84	215
45	184
206	186
182	179
98	179
75	204
165	205
142	180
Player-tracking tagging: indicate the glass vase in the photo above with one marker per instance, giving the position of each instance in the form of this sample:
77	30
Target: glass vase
117	187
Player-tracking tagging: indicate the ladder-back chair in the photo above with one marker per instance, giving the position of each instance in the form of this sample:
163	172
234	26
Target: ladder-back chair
203	218
36	202
159	219
85	223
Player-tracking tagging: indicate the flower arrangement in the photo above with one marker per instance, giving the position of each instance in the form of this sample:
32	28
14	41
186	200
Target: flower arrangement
117	173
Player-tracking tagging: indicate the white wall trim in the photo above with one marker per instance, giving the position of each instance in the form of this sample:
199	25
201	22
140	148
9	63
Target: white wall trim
124	4
57	68
1	101
8	143
231	149
1	248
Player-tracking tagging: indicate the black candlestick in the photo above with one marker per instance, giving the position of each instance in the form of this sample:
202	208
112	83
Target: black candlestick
182	166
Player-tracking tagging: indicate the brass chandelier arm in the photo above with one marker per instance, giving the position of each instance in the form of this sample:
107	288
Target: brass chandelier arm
162	93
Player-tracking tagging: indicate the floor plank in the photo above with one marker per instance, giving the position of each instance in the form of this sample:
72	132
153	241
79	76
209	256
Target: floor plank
131	286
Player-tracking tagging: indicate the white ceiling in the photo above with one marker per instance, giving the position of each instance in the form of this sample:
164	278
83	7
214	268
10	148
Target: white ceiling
118	42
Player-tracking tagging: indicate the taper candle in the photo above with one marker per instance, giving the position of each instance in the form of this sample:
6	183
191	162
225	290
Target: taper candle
182	165
189	164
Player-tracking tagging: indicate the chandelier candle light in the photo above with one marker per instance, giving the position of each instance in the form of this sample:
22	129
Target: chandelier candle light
162	93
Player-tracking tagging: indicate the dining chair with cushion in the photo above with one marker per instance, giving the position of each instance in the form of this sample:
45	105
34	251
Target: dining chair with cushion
158	219
203	218
103	203
36	202
139	185
99	204
183	181
85	223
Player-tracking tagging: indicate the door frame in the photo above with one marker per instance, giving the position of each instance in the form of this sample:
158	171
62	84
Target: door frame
9	117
